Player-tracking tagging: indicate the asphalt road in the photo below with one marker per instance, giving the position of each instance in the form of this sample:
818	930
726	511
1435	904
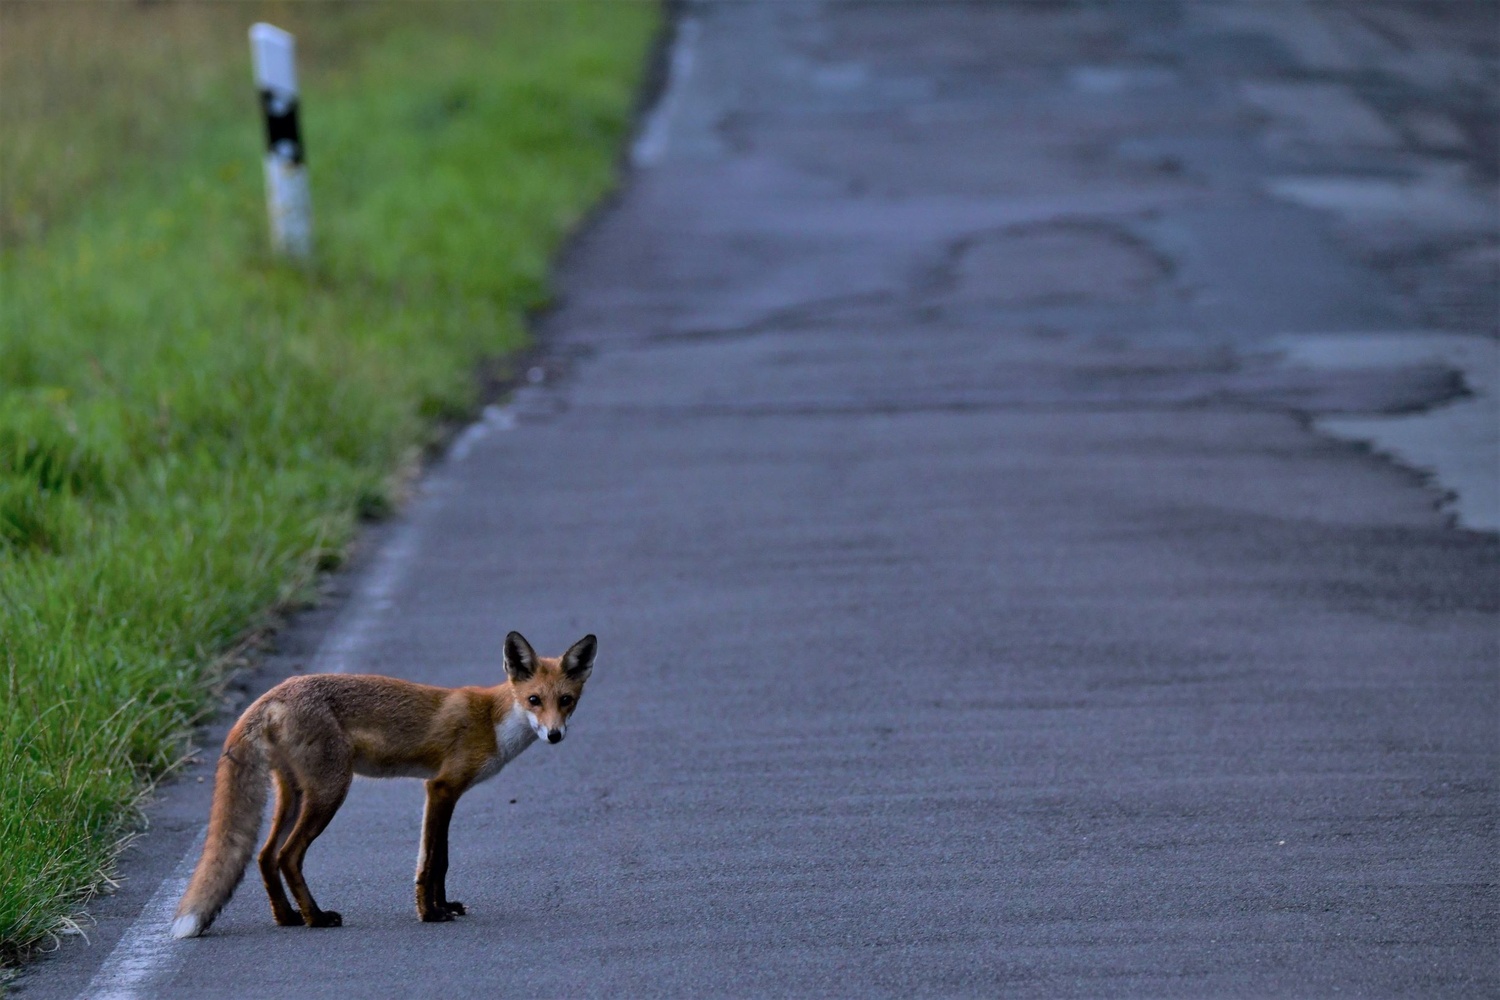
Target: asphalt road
979	613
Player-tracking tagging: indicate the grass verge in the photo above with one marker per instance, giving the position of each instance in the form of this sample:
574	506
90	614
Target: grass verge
189	431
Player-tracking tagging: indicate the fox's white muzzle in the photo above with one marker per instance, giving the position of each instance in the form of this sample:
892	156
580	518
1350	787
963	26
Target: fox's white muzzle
548	734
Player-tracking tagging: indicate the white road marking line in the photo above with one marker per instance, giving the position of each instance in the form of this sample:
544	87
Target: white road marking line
346	641
145	947
495	418
651	147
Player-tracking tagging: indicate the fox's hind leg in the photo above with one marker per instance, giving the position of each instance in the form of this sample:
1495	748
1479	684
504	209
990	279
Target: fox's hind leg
322	792
288	804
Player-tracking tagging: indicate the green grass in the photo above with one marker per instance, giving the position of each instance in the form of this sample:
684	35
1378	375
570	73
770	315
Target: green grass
190	431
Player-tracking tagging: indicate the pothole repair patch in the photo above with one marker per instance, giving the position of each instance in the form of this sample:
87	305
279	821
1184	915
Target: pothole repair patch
1054	264
1457	443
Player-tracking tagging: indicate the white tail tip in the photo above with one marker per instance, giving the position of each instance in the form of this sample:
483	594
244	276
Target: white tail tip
186	926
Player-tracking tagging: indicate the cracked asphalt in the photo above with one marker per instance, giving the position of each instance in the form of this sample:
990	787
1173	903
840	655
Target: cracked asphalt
980	612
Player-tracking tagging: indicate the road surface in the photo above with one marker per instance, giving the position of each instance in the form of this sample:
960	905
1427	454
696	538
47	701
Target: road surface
980	612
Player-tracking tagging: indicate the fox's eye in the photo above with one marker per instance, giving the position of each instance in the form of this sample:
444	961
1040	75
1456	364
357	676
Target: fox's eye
565	700
533	700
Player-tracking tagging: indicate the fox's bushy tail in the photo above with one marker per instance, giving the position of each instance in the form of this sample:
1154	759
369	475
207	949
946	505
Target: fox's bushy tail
240	787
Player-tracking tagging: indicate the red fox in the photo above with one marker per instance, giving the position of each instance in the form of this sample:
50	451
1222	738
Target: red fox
311	735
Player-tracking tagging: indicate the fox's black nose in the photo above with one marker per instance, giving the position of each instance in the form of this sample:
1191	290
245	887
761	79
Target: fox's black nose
554	737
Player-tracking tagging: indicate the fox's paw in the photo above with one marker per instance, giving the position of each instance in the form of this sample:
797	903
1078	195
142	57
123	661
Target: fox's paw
454	907
326	918
289	919
436	915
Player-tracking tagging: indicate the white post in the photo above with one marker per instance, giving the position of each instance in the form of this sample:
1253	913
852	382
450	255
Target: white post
273	53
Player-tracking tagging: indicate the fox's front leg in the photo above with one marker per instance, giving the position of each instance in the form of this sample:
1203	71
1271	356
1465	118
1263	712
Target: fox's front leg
433	904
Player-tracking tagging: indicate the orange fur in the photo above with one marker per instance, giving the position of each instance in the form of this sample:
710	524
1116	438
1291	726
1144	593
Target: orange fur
310	735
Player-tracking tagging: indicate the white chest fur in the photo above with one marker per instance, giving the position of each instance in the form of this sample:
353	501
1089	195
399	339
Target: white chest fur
512	735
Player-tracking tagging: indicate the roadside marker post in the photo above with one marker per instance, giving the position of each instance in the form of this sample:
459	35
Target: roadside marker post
273	52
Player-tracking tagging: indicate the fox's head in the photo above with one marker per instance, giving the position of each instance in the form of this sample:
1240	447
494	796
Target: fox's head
548	688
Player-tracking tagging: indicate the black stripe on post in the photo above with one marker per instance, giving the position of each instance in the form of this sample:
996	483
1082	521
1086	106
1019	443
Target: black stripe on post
283	134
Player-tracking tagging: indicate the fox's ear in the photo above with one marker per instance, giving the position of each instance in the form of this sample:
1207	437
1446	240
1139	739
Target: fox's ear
579	659
520	658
